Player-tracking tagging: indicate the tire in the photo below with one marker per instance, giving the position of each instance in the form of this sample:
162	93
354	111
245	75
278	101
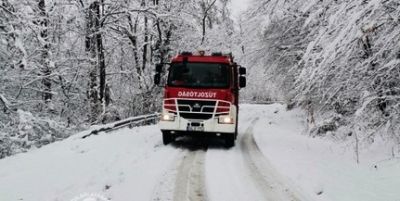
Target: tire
237	123
167	137
230	140
236	130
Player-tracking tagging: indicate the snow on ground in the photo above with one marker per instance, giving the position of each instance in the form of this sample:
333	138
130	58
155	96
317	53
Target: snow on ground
132	164
123	165
323	169
227	176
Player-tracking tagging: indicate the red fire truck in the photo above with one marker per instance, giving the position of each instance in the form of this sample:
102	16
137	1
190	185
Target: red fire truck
201	96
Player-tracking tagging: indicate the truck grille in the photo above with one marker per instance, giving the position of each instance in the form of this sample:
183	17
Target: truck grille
196	109
201	116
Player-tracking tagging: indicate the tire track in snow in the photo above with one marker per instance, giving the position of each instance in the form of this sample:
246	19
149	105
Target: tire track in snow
190	180
266	178
164	191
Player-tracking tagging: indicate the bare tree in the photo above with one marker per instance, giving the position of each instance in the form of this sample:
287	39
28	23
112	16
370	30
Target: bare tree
206	7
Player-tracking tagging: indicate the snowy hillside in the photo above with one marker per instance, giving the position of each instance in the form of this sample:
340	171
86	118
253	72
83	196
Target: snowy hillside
132	164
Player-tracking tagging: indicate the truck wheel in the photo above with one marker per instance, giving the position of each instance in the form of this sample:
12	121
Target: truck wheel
229	141
237	123
167	137
236	132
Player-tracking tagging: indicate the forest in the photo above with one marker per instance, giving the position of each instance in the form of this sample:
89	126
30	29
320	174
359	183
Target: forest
69	64
337	60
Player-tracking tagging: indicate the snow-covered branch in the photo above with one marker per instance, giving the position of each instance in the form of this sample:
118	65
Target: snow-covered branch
5	102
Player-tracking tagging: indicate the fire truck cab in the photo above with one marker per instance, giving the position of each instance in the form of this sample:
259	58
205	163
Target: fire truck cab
201	96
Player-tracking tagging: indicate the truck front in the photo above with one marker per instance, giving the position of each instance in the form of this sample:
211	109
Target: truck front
201	97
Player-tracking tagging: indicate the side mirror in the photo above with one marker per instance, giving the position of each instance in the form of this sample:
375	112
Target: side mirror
157	78
242	82
242	71
159	68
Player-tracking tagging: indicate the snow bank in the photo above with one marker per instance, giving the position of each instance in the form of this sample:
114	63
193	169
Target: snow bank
325	169
122	165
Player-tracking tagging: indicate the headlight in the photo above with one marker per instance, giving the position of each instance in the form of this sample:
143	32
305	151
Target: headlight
225	120
167	117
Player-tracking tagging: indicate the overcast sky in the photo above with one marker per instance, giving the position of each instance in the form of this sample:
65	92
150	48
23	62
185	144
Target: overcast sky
239	6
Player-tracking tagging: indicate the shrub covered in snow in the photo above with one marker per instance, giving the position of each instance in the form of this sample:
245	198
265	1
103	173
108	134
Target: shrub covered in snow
22	131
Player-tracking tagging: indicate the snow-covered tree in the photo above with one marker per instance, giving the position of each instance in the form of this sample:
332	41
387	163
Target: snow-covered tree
338	59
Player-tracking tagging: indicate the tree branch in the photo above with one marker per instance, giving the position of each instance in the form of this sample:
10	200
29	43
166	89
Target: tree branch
5	102
204	20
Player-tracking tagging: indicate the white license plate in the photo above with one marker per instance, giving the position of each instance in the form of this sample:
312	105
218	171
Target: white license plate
195	128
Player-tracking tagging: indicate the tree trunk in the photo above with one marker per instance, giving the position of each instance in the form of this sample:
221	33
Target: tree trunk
100	57
203	24
206	9
45	68
145	43
133	39
145	47
162	45
93	47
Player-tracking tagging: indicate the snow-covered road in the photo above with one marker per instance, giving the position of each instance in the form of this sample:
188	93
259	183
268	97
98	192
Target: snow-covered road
271	161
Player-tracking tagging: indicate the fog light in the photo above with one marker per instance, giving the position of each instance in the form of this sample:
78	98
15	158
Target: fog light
225	120
167	117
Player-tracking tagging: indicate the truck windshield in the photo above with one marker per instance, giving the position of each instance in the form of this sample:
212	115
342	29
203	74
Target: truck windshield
199	75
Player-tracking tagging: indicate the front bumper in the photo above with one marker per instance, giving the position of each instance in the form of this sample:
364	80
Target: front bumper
212	125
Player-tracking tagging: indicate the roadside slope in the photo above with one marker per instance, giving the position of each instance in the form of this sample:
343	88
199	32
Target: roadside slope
324	169
121	165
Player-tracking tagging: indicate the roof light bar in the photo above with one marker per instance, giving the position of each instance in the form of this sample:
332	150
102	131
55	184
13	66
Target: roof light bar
216	54
186	53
